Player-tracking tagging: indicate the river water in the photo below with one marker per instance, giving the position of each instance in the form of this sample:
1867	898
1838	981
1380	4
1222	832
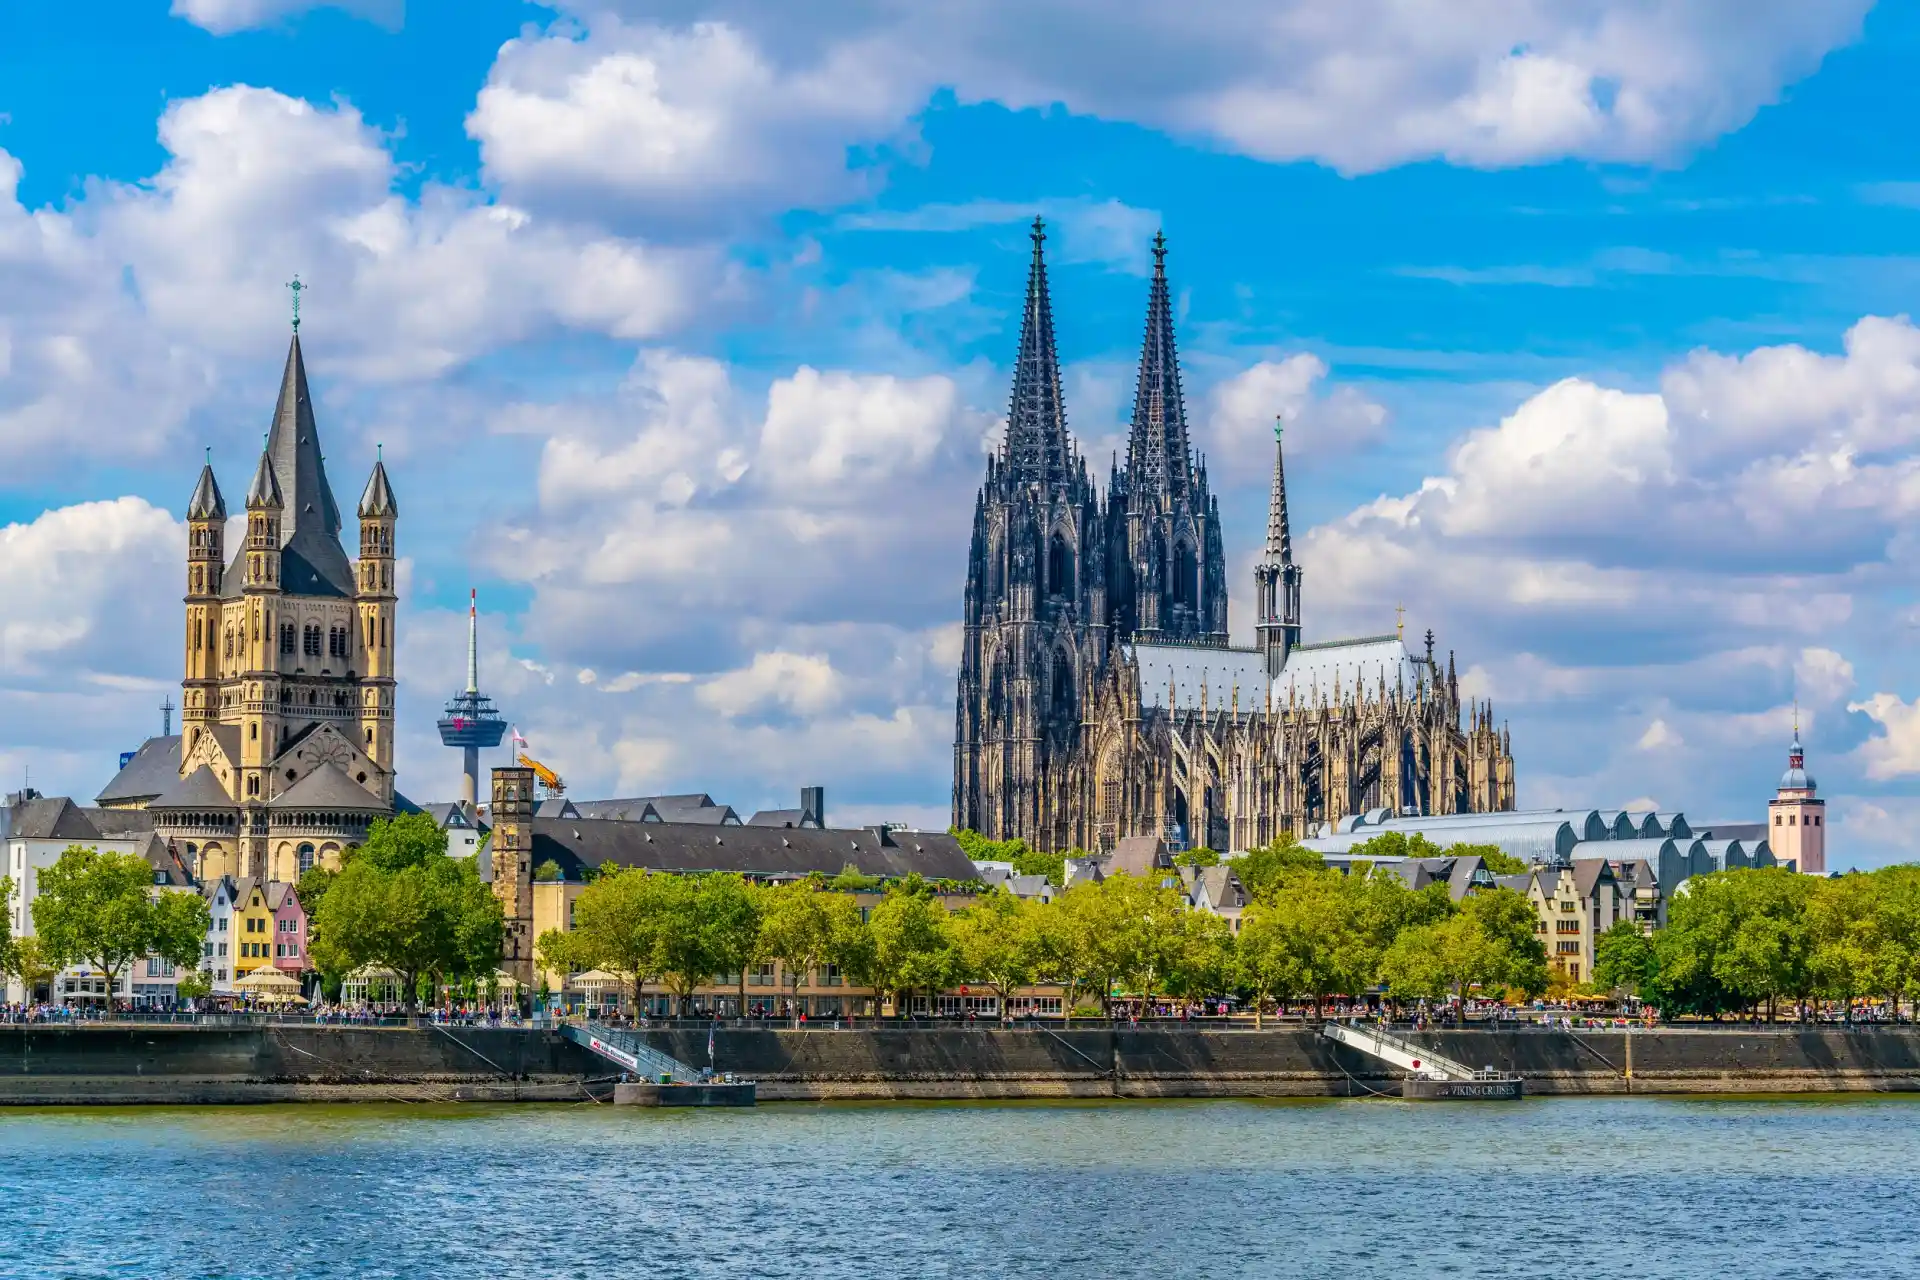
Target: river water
1704	1189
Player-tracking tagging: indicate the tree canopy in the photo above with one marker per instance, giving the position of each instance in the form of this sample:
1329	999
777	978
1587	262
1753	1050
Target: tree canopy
103	910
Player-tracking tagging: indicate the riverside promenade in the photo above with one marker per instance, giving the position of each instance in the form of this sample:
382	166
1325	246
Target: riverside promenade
116	1063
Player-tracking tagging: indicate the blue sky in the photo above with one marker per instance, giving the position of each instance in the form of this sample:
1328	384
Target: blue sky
685	325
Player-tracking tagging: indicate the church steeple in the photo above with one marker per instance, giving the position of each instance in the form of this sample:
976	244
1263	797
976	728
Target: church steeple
310	531
1036	449
1158	461
1277	577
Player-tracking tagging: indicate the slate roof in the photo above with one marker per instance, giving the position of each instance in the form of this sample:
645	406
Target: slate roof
198	790
1745	832
207	502
376	500
168	869
776	818
328	787
59	818
454	813
575	844
312	561
155	767
695	807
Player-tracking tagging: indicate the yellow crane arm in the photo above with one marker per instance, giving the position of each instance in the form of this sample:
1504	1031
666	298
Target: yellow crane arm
548	778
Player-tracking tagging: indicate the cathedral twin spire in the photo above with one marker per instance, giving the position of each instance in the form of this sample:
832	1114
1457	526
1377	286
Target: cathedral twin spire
1158	459
1037	450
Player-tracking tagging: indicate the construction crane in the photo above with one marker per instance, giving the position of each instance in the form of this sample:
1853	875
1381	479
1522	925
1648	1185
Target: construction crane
548	778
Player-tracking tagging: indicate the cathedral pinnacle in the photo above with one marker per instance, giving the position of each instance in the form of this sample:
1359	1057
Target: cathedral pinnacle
1036	449
1158	460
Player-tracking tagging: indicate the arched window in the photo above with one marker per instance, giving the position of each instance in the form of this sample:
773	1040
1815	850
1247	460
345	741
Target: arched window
1063	700
1184	586
286	637
311	641
306	858
1059	567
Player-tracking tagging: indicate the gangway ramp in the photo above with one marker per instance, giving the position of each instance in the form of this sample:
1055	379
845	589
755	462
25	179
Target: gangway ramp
1429	1074
663	1081
630	1053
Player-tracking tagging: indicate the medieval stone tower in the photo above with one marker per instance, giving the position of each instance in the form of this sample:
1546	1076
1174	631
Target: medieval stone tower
1036	609
1168	573
512	854
286	747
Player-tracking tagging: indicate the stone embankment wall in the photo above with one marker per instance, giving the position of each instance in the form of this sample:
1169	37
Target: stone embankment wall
165	1064
1289	1063
94	1064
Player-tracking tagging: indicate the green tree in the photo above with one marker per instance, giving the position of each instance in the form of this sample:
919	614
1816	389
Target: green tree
1496	859
1199	856
1148	918
6	925
101	909
194	984
999	943
1489	941
727	910
1205	957
913	942
1735	940
1623	959
1310	939
619	925
548	871
1026	861
1260	869
1392	846
1084	942
405	840
312	887
796	929
424	915
27	960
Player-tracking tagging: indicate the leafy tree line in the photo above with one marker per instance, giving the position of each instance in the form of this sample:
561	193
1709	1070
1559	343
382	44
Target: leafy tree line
1311	933
1750	940
100	910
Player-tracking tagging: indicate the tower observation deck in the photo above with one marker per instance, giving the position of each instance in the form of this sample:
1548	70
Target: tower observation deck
471	722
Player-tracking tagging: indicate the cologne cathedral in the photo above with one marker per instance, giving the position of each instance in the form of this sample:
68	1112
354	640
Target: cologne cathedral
1098	696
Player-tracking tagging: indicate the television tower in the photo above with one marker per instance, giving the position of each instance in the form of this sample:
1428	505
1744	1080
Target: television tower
471	722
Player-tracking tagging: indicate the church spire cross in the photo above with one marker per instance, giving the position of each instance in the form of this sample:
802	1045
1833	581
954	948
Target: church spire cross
296	288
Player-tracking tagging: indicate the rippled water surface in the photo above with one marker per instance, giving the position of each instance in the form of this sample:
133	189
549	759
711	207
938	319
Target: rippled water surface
1550	1187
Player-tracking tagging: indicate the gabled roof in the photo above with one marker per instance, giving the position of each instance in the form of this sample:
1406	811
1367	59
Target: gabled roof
198	790
155	767
556	807
757	851
50	818
328	787
776	818
167	868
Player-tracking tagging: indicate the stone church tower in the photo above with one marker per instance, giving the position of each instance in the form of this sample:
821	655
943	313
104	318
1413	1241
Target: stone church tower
1036	603
1168	574
286	747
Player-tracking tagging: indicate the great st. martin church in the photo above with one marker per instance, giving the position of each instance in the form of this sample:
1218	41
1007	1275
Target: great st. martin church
1098	696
